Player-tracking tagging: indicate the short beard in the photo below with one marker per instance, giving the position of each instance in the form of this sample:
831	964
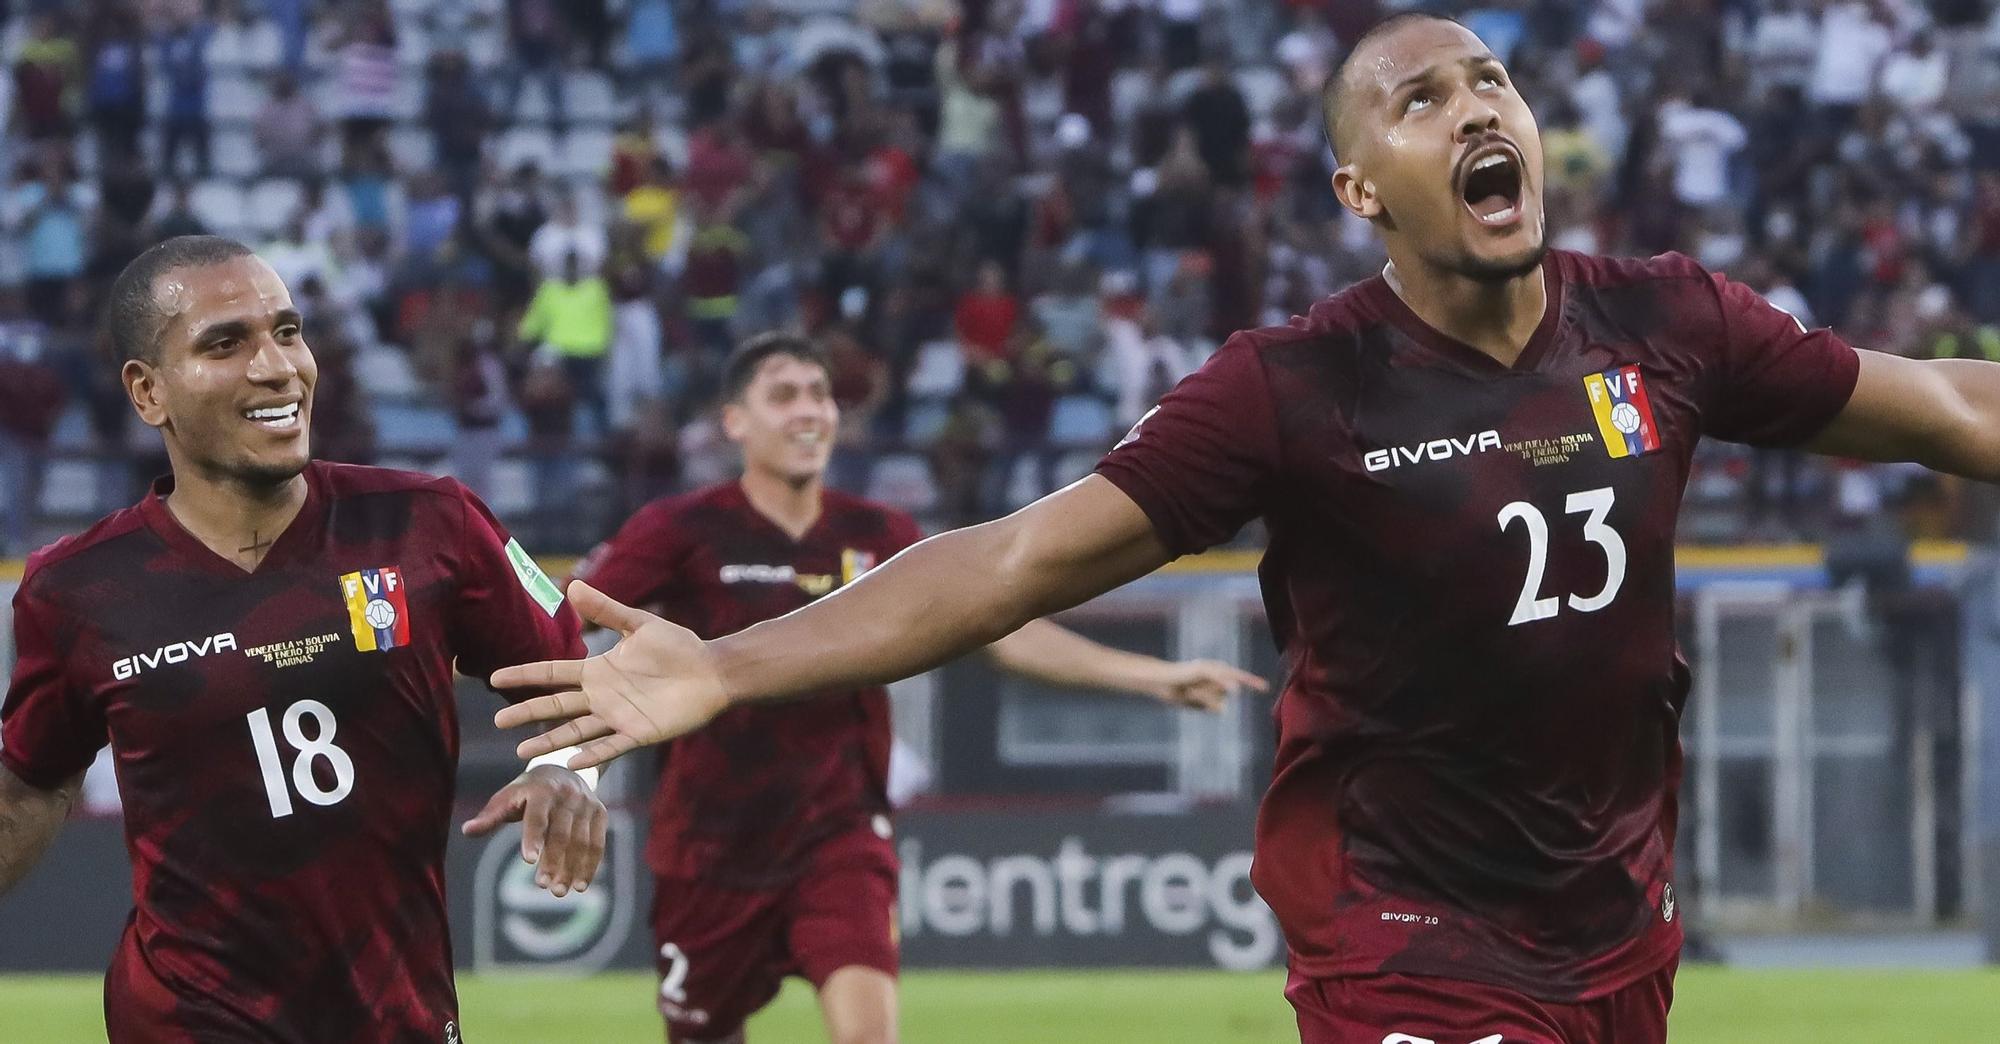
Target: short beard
1504	270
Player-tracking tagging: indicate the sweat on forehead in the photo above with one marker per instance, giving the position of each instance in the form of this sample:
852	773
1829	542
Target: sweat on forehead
1397	47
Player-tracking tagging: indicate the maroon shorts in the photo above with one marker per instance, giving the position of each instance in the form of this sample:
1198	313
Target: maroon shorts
723	952
1405	1009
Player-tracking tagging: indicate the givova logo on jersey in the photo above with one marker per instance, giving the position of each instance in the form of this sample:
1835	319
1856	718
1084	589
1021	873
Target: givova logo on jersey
1624	414
377	609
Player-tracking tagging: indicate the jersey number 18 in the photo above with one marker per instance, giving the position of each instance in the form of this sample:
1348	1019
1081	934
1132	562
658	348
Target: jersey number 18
319	748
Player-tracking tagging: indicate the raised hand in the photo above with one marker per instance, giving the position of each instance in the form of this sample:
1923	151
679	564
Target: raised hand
1201	684
562	825
657	683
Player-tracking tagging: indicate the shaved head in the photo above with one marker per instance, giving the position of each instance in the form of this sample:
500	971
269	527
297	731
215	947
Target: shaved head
1349	83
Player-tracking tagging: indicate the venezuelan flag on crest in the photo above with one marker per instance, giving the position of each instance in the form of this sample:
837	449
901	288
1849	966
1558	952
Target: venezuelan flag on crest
1624	414
376	608
854	563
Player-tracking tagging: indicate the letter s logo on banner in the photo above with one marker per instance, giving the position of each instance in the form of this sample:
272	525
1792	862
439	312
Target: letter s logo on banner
518	926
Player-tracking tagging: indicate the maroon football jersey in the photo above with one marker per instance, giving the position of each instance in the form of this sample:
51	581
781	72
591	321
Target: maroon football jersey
286	743
1471	569
744	800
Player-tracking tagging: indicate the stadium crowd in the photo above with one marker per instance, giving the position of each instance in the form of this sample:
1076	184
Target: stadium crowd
525	232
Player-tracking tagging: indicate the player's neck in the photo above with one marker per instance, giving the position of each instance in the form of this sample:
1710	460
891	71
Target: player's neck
238	521
1497	318
791	506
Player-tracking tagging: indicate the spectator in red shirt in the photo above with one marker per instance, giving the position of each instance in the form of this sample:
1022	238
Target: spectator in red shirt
986	317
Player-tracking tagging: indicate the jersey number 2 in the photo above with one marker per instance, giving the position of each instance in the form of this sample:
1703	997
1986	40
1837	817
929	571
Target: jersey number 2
1597	502
318	748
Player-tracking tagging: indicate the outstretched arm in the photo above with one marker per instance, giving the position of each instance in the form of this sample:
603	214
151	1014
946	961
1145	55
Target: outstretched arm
937	600
1941	413
29	819
1056	655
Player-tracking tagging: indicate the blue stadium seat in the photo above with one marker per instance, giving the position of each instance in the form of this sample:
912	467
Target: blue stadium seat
407	427
386	375
939	370
234	153
585	153
72	430
924	421
271	203
219	203
233	98
1080	420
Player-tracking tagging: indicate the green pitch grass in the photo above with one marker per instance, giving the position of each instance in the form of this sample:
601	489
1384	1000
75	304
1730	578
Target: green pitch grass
1713	1007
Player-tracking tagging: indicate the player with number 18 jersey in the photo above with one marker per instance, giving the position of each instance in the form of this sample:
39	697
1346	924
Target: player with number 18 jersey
286	743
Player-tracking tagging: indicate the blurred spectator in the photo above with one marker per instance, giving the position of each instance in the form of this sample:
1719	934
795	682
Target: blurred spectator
46	72
1703	141
479	405
570	318
652	47
431	215
1854	39
1147	364
459	120
536	34
566	234
513	212
365	75
653	206
1068	312
31	400
116	85
298	257
986	317
589	23
342	428
632	367
722	172
178	219
1221	123
54	245
1914	75
859	381
711	280
183	64
289	16
374	197
289	131
549	406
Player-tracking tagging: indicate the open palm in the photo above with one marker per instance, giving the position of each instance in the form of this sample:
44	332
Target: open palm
655	684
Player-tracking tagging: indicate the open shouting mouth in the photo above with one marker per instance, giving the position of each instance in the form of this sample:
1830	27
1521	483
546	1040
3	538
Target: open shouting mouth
1489	181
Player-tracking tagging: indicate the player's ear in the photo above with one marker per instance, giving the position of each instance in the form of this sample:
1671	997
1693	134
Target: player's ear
1356	193
142	386
732	420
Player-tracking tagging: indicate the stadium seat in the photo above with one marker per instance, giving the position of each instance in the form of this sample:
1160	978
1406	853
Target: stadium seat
407	103
588	97
939	370
1080	420
1071	467
234	99
412	427
1129	88
585	153
386	375
234	153
411	148
69	489
271	203
1025	481
525	144
903	480
513	492
924	421
485	48
1263	87
72	430
219	203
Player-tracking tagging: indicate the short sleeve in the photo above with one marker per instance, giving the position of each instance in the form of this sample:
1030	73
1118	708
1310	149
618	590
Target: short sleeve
639	562
506	610
1770	381
1199	463
49	731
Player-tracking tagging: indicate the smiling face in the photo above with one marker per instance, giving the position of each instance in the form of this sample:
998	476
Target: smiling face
784	420
1440	152
231	386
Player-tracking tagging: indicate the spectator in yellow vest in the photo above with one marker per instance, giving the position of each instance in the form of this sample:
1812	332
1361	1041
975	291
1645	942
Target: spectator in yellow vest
570	318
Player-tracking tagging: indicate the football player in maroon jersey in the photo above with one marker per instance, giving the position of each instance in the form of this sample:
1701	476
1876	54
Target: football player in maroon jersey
771	841
267	643
1470	467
